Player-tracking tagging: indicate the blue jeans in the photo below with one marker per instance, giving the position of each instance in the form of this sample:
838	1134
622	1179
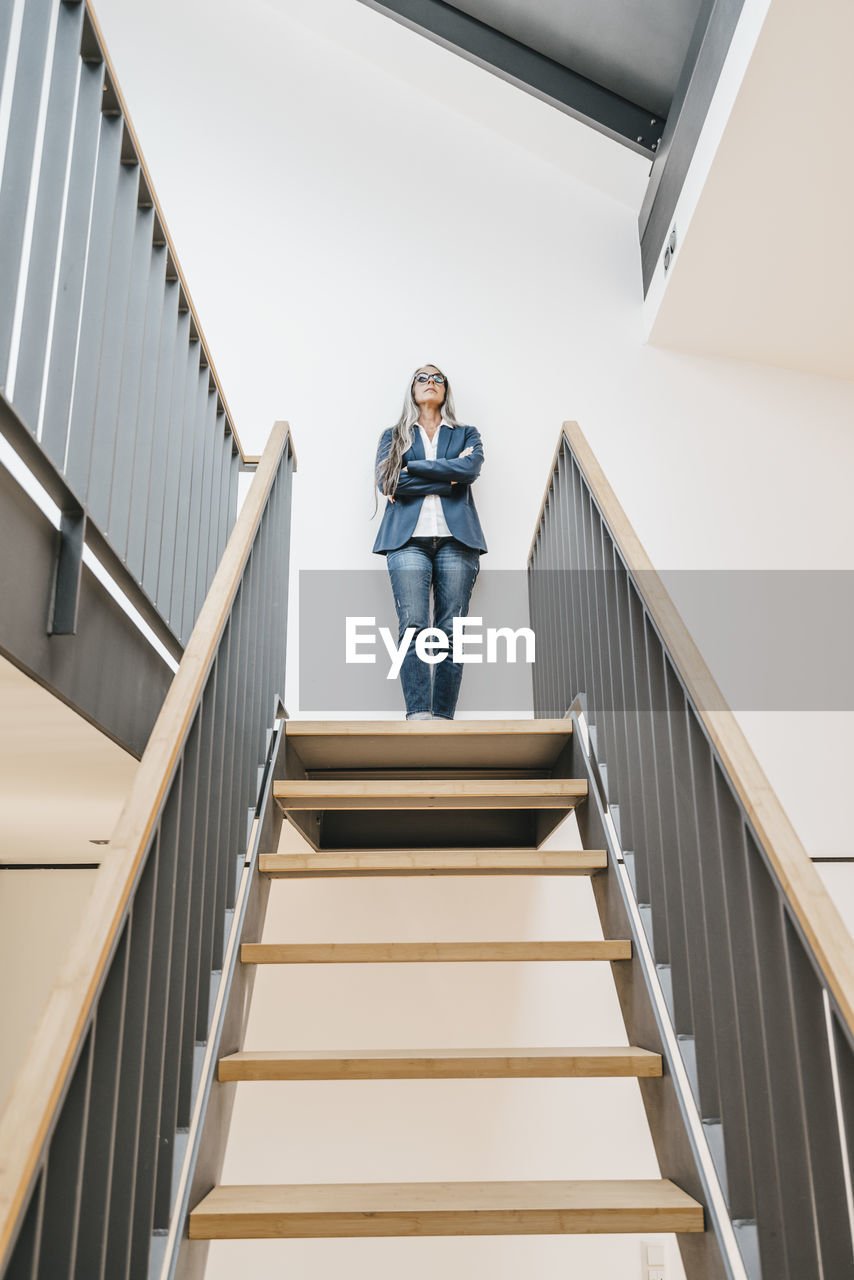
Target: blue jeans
450	568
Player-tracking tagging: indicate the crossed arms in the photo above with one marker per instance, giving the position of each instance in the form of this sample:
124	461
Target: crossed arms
422	475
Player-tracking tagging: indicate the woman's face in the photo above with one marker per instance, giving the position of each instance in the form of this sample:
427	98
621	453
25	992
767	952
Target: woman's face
428	393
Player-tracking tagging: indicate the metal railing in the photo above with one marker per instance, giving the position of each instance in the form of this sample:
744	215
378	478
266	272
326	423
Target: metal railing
95	1128
102	358
754	961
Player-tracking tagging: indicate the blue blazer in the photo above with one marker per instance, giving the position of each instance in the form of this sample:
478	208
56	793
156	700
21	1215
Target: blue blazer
423	476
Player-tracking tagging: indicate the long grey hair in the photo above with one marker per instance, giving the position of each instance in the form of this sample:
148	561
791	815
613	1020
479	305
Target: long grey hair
403	431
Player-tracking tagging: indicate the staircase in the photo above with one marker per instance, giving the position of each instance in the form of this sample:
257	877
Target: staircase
424	798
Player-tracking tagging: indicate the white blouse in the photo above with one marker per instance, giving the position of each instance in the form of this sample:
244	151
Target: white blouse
431	519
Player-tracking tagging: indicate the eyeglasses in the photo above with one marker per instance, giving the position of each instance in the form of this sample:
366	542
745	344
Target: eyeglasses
429	377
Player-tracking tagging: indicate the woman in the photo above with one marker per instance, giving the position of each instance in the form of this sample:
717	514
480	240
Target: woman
430	533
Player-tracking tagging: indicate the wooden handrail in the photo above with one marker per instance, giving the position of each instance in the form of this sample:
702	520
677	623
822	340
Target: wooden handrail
810	903
38	1088
96	27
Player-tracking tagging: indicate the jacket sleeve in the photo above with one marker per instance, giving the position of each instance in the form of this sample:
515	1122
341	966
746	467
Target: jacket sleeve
462	470
408	485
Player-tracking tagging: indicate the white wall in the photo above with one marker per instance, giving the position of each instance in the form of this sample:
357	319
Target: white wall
340	224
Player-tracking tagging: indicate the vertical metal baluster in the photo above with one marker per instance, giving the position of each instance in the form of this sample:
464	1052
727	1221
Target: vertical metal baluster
100	1132
613	672
220	793
811	1067
194	849
631	617
109	360
800	1243
128	1119
575	581
92	311
47	224
654	663
185	357
585	597
634	826
142	1223
566	691
184	874
133	370
159	460
207	516
534	614
20	157
709	947
63	1171
190	512
605	714
62	348
548	572
24	1260
750	998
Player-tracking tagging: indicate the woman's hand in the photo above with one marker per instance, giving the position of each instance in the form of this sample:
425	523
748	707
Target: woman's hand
465	453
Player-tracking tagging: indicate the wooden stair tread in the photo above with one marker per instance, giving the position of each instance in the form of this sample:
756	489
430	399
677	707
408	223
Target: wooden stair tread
454	744
406	952
444	1064
430	793
435	862
444	1208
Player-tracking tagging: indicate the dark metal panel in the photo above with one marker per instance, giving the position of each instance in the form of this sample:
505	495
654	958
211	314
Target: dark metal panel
47	223
528	69
636	50
17	168
133	370
110	361
146	413
63	349
712	39
91	326
107	671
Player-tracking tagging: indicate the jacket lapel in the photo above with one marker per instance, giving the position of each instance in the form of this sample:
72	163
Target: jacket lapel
442	442
416	449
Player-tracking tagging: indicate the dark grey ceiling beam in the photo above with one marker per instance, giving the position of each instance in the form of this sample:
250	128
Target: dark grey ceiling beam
524	67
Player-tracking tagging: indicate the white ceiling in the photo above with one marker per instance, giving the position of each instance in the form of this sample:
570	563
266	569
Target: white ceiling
765	269
455	83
